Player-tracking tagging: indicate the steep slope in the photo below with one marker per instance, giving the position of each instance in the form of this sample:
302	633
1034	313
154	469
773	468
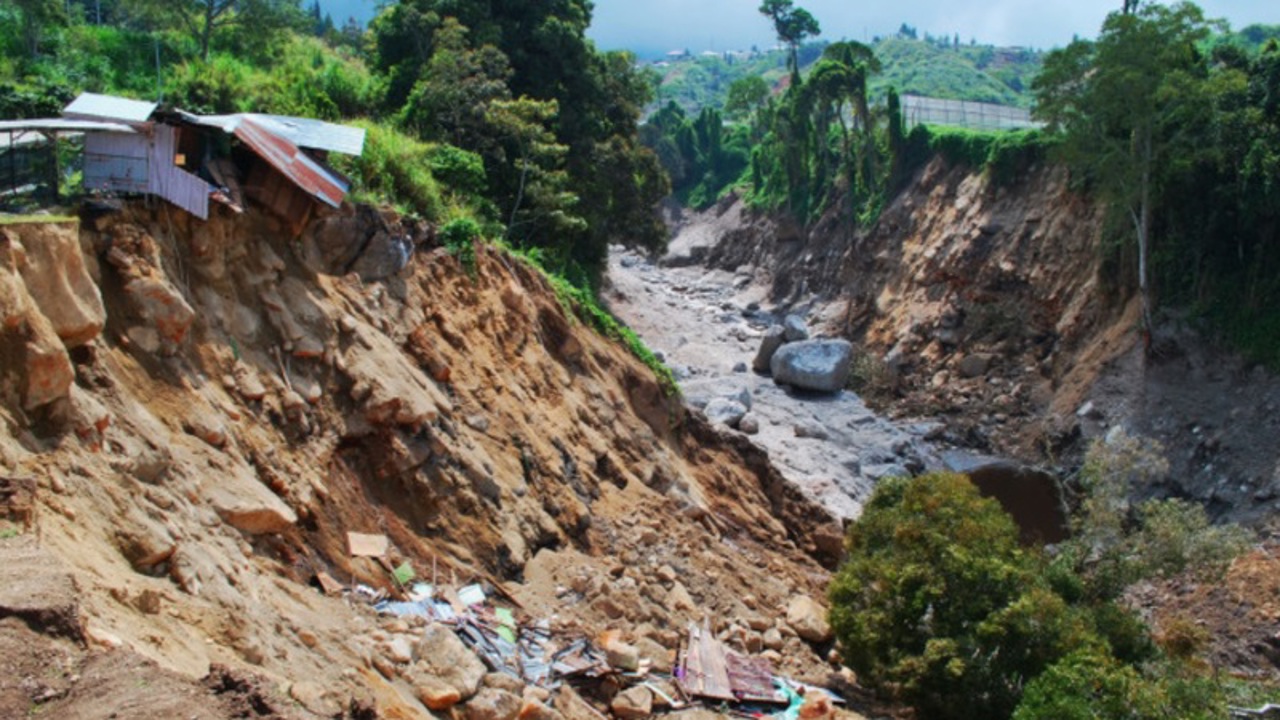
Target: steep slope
205	416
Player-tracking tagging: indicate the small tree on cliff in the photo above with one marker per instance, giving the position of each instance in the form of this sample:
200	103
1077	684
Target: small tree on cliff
1129	108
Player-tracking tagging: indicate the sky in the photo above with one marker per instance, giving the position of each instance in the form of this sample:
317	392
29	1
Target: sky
653	27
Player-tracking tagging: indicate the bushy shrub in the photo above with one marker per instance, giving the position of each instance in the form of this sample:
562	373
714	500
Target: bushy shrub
1091	685
394	168
938	602
460	236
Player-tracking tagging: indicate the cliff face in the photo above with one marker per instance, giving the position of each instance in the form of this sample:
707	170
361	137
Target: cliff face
206	417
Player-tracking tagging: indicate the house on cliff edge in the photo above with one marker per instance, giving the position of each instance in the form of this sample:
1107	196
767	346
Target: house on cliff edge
132	147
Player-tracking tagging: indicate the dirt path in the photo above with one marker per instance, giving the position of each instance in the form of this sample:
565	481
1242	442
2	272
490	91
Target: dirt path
707	325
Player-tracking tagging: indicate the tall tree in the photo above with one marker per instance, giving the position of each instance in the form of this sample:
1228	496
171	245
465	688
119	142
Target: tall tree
38	18
204	18
1128	107
793	25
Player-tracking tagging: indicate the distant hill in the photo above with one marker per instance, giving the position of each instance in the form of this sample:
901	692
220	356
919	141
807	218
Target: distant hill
932	67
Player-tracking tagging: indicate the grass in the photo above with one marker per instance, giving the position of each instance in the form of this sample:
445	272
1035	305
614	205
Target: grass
581	303
7	219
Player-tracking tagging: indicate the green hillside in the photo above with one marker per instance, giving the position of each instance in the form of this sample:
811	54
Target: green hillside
914	67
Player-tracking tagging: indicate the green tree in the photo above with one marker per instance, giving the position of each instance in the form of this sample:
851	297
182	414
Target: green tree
456	88
746	95
1129	106
38	18
793	25
937	600
257	21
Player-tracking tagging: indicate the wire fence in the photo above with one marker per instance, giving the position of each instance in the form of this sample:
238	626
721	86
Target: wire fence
965	113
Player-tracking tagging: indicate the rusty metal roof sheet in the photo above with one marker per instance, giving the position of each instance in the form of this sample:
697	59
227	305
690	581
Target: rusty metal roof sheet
111	107
303	132
317	180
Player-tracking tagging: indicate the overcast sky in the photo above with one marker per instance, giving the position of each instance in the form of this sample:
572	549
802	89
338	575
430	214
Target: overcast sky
655	26
646	25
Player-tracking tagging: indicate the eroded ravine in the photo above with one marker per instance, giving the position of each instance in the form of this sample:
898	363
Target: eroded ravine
707	325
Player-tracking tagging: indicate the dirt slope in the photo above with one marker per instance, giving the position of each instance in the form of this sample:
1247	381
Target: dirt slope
203	437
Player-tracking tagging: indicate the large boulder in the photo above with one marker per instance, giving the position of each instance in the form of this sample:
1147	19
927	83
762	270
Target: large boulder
773	339
55	274
442	654
808	619
819	365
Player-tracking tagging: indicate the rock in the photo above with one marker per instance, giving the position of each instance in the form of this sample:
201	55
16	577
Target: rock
972	366
1090	411
248	384
503	681
740	367
808	619
247	505
724	412
622	656
749	424
313	697
398	650
162	306
773	339
435	693
810	429
660	659
795	328
633	703
492	704
534	709
47	366
819	365
742	397
386	255
206	426
666	574
442	654
678	598
773	639
55	275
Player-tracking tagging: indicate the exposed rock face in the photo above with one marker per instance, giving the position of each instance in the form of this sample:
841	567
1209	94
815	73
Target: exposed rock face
819	365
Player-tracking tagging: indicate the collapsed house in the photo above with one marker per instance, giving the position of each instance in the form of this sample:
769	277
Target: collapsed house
133	147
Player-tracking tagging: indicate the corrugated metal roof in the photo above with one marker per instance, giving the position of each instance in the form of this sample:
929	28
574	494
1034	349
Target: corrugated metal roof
303	132
318	134
62	125
111	107
294	164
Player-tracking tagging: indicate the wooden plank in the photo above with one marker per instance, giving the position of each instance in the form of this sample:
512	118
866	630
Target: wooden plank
706	672
362	545
751	679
